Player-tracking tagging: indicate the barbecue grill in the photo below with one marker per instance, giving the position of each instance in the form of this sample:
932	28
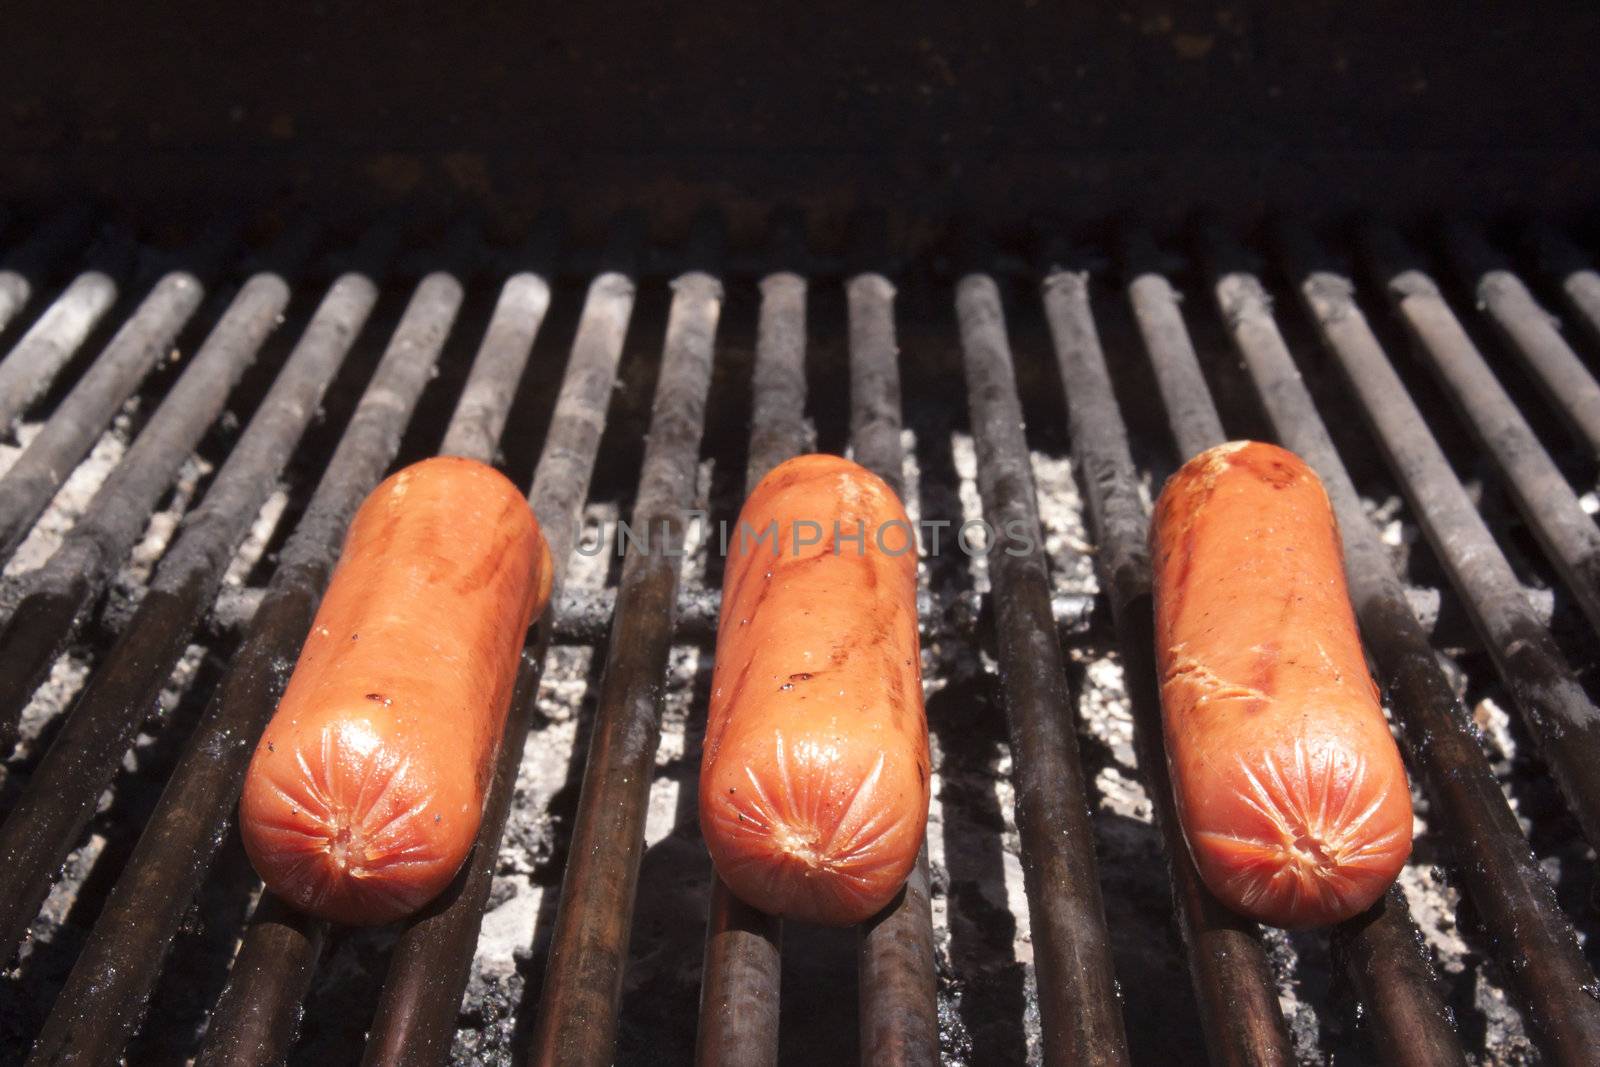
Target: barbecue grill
1011	309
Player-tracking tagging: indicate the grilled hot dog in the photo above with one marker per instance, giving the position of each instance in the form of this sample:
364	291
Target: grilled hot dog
814	782
366	790
1289	785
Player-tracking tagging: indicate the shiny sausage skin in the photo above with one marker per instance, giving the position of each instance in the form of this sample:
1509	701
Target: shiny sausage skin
366	790
1289	784
814	783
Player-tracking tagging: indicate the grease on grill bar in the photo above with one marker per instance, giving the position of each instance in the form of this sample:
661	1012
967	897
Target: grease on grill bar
910	963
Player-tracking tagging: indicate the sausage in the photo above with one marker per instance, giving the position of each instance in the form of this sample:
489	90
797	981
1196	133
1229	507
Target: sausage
367	787
814	781
1289	785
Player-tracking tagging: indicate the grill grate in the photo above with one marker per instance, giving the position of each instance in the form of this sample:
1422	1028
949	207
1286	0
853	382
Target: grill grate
924	992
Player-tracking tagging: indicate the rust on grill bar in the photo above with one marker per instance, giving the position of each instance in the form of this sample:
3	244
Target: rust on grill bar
85	754
1569	536
899	1002
1412	1026
1080	1010
120	964
1534	941
1544	687
1529	331
431	964
577	1019
1235	989
742	974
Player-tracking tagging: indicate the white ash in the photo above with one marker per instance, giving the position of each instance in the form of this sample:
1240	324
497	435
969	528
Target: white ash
70	500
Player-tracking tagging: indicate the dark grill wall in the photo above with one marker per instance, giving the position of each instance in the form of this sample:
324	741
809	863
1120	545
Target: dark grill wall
995	108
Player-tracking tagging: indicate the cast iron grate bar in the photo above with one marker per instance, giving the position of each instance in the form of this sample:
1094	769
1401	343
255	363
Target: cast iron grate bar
37	256
39	355
1553	703
1529	331
254	1022
61	591
85	754
577	1018
157	884
1562	262
898	991
1549	506
1079	1008
1516	904
432	963
88	409
742	974
1236	991
277	943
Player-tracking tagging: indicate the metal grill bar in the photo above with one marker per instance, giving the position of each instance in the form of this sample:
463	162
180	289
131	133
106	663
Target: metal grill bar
36	256
87	410
1193	419
1527	930
1235	989
1383	953
268	980
67	584
480	415
36	359
583	981
899	1001
1547	503
1530	331
432	962
1426	1035
175	851
742	974
62	792
1080	1013
1553	703
1580	283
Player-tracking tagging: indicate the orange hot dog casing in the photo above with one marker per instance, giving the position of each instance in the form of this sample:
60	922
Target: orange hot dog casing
814	785
1289	785
367	788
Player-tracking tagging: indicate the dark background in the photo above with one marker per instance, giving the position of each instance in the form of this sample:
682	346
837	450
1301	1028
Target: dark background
994	109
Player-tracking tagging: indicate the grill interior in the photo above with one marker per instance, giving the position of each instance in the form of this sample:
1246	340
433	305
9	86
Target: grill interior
165	556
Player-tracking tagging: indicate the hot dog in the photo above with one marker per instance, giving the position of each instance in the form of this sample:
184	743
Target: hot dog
1289	786
367	787
814	781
